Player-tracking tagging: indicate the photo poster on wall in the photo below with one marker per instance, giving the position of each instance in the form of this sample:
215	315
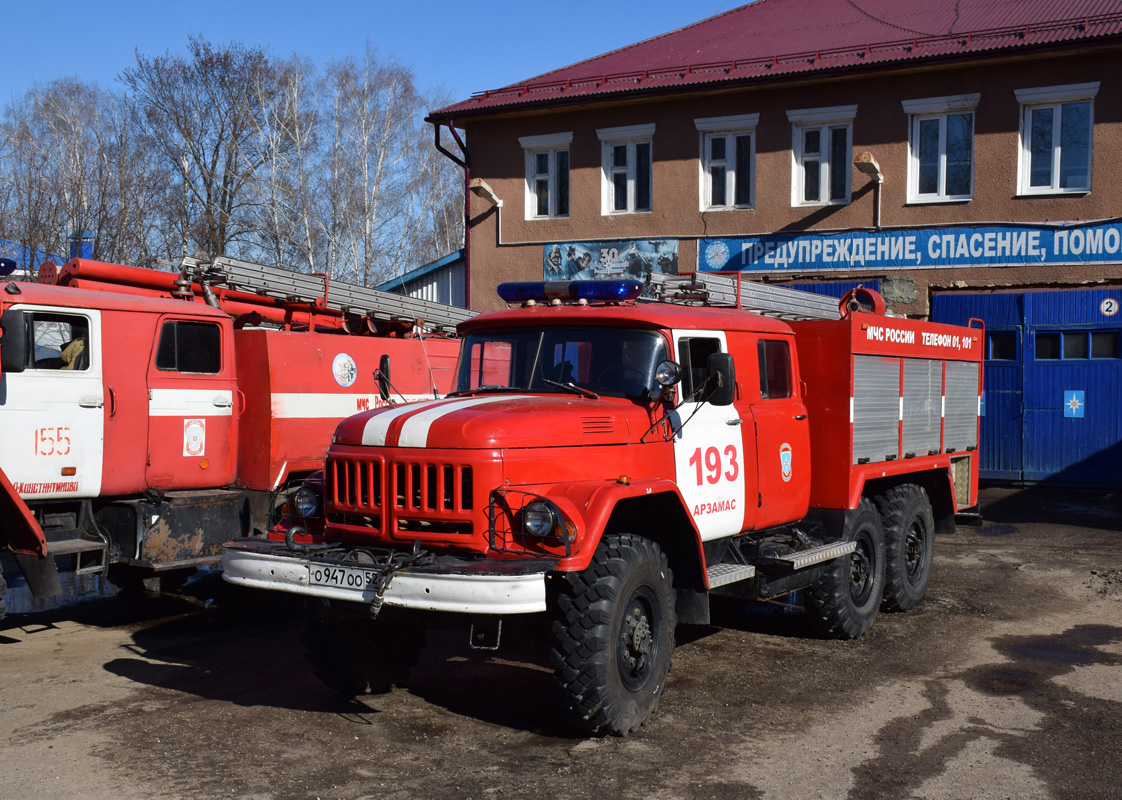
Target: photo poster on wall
628	258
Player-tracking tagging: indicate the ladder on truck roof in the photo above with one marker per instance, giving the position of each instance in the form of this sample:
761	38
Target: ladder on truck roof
720	290
318	291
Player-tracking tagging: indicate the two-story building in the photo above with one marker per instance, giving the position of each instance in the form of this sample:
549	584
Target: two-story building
965	158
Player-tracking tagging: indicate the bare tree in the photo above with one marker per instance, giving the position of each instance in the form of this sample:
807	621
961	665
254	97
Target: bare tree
202	113
225	150
375	118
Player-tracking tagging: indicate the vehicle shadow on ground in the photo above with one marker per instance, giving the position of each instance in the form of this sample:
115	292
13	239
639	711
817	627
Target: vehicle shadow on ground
1089	508
512	687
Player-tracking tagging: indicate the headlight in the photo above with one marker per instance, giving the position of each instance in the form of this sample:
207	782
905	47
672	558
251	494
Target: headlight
668	373
538	519
306	501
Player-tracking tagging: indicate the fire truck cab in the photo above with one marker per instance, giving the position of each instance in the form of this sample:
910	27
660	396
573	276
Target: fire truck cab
609	464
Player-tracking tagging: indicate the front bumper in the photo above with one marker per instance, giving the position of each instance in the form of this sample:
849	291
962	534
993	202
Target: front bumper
449	583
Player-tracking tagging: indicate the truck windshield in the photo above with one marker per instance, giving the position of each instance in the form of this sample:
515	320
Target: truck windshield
607	361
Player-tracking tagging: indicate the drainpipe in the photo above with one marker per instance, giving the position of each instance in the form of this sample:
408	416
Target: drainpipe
464	163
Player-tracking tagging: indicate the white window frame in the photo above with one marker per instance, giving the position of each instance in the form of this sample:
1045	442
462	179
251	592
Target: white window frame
1055	96
938	108
824	119
550	144
731	128
629	136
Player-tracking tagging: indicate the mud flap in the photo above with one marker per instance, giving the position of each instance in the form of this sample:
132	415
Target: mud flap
41	574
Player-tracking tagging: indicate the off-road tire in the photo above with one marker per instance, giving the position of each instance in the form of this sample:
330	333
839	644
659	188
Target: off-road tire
909	545
355	654
844	602
614	636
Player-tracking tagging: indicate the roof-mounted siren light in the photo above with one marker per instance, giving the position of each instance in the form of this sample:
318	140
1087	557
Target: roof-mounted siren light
7	267
861	300
607	291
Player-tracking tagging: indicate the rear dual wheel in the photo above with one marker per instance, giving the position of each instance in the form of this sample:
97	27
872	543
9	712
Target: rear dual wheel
909	538
844	602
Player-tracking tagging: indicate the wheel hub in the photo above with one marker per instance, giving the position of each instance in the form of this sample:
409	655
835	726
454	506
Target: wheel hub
859	575
636	641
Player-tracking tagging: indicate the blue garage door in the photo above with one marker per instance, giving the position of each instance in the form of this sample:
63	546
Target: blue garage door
1053	374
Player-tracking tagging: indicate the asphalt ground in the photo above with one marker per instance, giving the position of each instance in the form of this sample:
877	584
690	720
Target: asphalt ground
1006	682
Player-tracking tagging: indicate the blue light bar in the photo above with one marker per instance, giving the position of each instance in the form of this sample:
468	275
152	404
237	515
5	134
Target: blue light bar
612	291
521	291
608	291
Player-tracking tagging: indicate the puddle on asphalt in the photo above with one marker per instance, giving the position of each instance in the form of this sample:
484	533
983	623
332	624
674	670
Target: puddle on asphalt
75	589
1055	651
997	530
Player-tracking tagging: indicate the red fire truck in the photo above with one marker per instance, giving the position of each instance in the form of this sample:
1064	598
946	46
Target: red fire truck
607	464
142	431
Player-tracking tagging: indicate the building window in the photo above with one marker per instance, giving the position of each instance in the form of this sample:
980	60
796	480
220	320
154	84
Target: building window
1075	345
547	175
728	157
1056	128
821	153
626	158
941	148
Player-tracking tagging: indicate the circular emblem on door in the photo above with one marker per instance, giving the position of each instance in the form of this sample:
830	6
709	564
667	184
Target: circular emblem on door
785	460
344	369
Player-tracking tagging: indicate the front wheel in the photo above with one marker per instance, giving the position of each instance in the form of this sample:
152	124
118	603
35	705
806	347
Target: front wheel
844	602
355	654
615	635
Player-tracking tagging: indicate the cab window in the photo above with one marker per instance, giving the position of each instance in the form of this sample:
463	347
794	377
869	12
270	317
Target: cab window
191	347
694	356
60	341
775	369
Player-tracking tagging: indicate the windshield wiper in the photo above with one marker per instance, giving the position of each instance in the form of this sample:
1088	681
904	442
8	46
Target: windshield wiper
572	387
484	389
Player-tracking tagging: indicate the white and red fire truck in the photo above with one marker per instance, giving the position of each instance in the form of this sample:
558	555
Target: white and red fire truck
607	464
142	431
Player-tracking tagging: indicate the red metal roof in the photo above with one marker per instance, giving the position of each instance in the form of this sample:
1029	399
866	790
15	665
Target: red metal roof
772	38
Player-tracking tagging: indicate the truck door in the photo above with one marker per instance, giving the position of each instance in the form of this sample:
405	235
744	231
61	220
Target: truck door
53	414
711	465
782	436
191	423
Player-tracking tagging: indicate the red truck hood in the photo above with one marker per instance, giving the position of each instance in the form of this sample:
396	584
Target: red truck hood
496	420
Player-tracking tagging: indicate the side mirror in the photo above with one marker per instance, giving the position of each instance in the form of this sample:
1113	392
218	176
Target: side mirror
722	370
382	376
13	343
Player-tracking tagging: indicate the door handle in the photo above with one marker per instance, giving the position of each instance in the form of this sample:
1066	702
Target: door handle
800	416
733	421
91	402
223	402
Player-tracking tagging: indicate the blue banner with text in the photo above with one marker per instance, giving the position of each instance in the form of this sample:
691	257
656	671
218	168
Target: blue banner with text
916	248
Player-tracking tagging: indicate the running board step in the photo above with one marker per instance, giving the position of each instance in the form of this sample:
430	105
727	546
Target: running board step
724	574
808	558
90	557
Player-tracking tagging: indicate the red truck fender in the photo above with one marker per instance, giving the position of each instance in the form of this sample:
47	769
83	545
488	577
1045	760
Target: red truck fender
600	506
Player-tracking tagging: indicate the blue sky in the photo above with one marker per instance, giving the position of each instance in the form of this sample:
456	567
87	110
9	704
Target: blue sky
449	44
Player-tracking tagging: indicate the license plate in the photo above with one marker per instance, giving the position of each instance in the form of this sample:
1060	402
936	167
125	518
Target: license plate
343	577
